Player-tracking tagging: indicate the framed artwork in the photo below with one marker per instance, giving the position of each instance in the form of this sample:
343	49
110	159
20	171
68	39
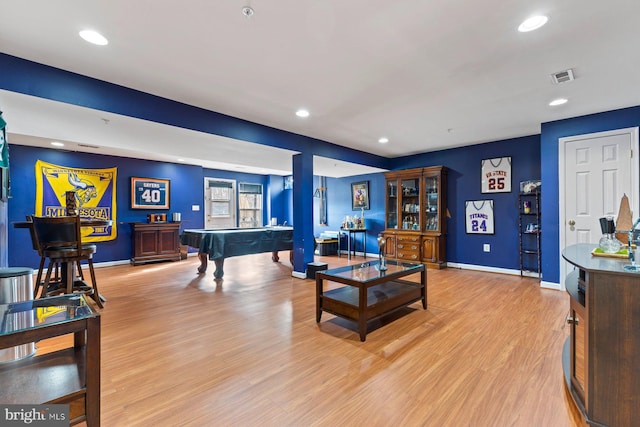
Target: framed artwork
479	216
149	193
496	175
360	195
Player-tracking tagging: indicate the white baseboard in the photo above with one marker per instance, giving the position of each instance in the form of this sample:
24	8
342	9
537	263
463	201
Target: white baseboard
483	268
543	284
358	254
110	263
125	261
298	275
551	285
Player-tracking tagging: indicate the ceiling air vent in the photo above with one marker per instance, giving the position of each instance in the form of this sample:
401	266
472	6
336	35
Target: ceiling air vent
88	146
562	76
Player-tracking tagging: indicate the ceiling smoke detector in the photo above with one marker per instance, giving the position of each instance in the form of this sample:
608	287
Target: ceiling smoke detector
247	11
562	76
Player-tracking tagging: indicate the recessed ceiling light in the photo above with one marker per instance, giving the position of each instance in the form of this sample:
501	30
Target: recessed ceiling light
57	144
383	140
533	23
247	11
180	160
558	101
302	113
94	37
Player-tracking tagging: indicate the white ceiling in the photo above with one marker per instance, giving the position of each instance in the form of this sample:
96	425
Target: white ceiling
428	75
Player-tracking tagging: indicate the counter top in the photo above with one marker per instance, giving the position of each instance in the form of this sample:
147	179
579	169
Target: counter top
580	256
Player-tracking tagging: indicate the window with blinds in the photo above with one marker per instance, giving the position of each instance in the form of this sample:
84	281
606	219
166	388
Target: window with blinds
250	205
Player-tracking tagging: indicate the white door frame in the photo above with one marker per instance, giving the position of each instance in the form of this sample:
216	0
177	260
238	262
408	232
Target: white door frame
635	178
234	202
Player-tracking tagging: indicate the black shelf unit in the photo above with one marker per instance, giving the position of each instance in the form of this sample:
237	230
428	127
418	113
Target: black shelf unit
529	233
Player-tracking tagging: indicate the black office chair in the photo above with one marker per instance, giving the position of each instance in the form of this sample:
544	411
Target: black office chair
60	240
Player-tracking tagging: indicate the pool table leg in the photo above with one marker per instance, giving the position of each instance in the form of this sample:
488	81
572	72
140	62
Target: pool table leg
275	257
219	268
203	262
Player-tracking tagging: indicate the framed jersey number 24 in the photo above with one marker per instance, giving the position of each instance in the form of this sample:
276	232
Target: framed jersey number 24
479	216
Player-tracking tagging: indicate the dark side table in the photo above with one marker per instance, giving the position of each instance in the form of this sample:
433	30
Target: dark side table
351	240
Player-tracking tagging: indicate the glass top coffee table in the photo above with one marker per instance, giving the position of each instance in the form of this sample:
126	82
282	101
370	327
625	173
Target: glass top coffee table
68	376
369	292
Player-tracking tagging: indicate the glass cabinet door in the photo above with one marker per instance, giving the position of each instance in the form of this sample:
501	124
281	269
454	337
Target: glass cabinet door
392	204
431	204
410	204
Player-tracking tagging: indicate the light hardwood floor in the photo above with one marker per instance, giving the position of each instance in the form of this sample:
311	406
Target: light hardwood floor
180	350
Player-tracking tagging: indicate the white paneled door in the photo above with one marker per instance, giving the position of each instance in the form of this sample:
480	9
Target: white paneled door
596	170
220	203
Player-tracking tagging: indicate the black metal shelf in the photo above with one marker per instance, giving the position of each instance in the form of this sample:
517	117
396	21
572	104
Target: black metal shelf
530	218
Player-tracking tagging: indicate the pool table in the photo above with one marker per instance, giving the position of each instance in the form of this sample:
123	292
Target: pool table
216	245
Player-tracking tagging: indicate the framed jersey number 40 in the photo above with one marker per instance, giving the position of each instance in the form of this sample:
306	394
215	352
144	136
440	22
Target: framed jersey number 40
149	193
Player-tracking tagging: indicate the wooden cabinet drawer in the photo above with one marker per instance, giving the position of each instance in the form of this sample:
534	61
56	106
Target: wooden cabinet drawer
408	239
408	256
408	247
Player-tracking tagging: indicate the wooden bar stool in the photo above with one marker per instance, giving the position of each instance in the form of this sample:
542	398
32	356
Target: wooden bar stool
36	247
60	241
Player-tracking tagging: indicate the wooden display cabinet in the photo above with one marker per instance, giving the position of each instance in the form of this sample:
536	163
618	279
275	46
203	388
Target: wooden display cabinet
153	242
415	223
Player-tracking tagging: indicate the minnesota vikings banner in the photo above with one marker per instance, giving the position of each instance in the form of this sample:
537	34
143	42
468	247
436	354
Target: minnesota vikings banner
95	194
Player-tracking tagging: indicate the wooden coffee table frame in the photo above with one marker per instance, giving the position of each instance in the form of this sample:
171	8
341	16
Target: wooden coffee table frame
362	301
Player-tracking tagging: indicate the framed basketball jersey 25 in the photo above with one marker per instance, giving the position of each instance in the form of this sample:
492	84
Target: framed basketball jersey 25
496	175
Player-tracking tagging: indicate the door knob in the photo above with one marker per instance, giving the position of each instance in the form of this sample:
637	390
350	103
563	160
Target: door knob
572	223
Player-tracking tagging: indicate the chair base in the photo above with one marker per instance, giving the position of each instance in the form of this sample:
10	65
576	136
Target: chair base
79	286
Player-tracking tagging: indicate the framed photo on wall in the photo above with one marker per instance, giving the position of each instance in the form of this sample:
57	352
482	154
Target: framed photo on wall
479	216
149	193
496	175
360	195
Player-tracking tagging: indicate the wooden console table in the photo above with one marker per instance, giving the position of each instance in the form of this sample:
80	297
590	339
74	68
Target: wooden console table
155	241
369	293
69	376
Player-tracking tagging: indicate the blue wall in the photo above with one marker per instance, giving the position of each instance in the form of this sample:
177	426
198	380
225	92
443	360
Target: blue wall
23	76
31	78
464	180
187	189
551	133
339	206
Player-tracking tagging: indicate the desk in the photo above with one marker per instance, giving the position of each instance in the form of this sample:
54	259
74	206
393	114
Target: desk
217	245
351	234
68	376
